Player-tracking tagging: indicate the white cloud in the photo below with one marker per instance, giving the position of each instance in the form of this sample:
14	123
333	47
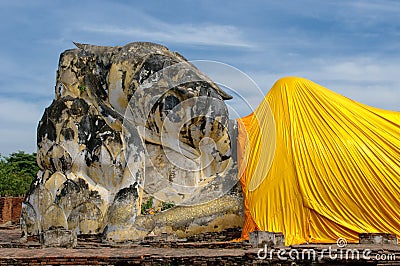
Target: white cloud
192	34
18	125
366	80
376	7
13	140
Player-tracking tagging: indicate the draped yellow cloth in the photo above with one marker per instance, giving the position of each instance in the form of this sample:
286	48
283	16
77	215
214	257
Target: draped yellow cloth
318	166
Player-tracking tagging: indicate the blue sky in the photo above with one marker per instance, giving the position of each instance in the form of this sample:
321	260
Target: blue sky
351	47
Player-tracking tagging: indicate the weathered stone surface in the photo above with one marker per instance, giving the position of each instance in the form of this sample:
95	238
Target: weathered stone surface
127	122
58	237
263	239
377	238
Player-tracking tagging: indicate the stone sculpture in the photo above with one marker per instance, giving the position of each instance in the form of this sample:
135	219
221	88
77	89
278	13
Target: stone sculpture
129	122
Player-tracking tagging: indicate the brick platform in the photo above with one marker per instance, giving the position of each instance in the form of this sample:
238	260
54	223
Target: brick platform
92	251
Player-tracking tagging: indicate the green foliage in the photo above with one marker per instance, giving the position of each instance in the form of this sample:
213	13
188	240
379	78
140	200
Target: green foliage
82	88
167	205
147	206
16	173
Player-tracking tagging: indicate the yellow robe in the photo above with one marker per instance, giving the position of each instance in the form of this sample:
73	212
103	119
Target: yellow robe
318	166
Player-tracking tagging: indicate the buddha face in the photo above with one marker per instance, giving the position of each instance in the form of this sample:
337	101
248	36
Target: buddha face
184	123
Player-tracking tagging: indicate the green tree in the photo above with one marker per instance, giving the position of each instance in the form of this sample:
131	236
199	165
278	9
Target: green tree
16	173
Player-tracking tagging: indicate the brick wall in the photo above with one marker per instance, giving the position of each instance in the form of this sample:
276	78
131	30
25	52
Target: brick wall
10	209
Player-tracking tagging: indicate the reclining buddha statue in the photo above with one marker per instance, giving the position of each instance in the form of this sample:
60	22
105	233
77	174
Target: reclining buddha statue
138	123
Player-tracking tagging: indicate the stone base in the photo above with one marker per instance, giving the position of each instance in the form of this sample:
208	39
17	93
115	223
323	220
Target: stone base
59	238
271	239
377	238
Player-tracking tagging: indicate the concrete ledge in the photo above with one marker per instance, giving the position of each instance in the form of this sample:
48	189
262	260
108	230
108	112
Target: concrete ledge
271	239
377	239
59	237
